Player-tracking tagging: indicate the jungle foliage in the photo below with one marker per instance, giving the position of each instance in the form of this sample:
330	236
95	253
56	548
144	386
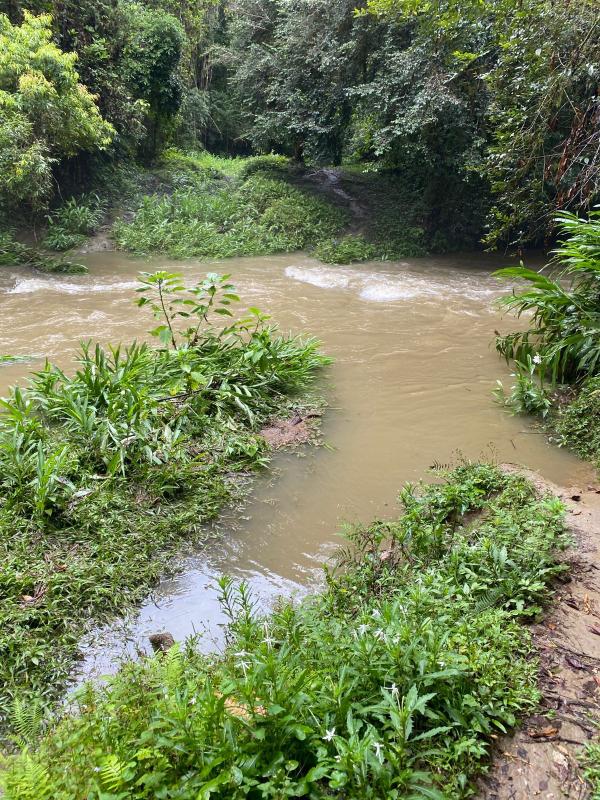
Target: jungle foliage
104	470
390	684
488	111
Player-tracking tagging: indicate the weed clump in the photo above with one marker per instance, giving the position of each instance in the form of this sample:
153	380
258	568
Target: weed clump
346	250
71	224
390	684
16	254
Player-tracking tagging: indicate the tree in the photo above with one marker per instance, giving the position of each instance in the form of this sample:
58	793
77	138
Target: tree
46	114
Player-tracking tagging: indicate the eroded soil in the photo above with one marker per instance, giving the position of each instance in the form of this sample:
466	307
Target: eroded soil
541	759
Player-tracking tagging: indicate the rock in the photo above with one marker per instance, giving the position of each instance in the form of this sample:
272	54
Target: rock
161	642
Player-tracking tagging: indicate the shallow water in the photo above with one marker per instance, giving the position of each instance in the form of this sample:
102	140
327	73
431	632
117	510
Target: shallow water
410	386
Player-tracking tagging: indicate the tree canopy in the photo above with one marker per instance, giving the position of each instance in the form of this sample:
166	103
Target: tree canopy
488	110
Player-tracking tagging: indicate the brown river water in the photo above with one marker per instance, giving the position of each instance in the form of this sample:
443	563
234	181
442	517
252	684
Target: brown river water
411	385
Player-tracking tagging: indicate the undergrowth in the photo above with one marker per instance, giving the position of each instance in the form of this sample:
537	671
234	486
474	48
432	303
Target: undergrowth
104	470
227	207
392	683
72	223
16	254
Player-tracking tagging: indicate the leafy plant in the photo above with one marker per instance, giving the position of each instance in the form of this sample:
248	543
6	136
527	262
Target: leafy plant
346	250
565	311
69	225
528	395
390	684
169	299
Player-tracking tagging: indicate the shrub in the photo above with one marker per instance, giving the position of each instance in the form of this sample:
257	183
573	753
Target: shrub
72	223
346	250
391	684
565	319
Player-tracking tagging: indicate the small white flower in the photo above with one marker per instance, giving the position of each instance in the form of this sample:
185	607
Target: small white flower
243	665
362	629
379	635
393	690
376	613
338	759
537	359
192	701
329	734
378	750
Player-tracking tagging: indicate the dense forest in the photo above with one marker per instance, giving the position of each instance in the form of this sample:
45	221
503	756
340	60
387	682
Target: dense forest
487	113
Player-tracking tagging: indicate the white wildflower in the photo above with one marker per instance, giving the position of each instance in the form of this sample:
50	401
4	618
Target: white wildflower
362	629
329	734
537	359
378	750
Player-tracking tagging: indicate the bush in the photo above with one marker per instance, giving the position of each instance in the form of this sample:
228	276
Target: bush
268	164
391	684
565	319
346	250
72	223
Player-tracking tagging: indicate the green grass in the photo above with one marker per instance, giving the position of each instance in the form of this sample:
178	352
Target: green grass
104	471
226	207
390	684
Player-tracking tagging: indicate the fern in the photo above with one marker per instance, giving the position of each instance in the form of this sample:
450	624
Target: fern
26	719
112	773
30	781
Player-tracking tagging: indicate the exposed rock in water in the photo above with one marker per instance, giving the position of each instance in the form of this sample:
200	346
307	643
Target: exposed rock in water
161	642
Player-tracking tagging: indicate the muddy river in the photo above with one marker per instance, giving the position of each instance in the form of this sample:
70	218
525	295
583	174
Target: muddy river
411	385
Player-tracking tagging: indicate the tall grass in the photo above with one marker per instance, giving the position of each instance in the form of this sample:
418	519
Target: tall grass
391	684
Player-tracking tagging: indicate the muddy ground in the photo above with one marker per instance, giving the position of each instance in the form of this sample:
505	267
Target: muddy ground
541	760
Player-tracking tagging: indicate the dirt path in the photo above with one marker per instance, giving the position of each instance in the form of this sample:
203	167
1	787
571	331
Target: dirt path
541	760
328	181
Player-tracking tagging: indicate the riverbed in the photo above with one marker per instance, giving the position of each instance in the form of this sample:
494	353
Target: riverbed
410	387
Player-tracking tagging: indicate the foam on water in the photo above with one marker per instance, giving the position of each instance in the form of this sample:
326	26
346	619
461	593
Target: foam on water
323	278
380	287
30	285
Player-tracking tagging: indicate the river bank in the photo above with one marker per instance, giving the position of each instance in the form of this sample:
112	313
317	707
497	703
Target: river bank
366	689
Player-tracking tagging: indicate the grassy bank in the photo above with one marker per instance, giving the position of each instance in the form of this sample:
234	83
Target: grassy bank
392	683
105	470
220	208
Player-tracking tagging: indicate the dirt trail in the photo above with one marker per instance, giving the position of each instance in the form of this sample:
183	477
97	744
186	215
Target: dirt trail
328	181
541	759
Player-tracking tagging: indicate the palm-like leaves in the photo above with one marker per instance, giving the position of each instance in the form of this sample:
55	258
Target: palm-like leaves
565	321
